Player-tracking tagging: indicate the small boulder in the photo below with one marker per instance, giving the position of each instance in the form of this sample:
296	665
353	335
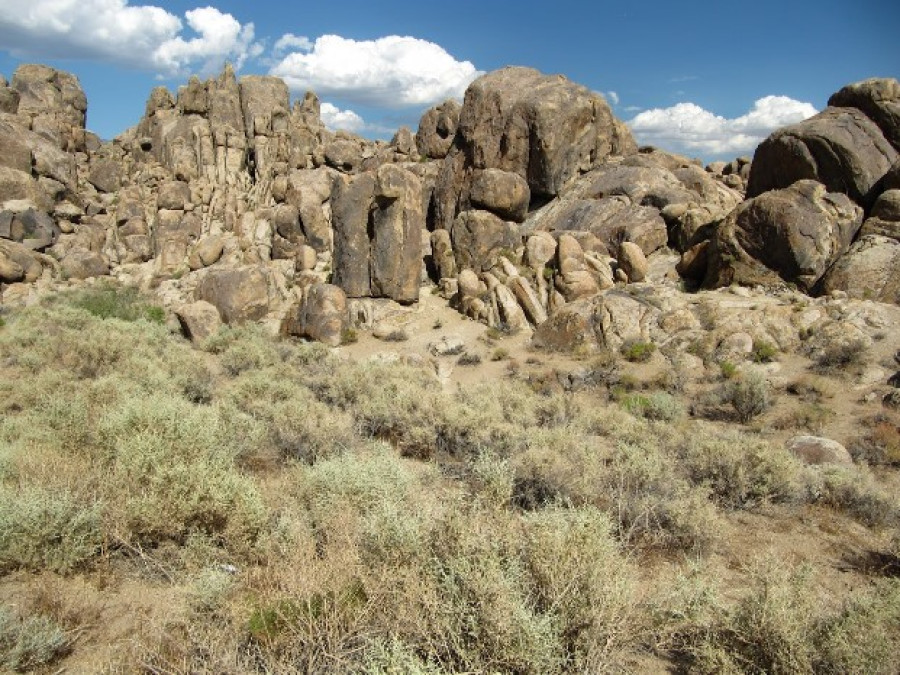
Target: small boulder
199	320
240	294
816	450
321	315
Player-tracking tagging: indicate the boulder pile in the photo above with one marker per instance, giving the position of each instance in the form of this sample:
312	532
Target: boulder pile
529	205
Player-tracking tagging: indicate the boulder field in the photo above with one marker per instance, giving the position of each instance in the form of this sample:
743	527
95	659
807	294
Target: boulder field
529	207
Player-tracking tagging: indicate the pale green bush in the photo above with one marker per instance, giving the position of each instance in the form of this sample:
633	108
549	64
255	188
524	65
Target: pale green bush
44	530
740	471
30	642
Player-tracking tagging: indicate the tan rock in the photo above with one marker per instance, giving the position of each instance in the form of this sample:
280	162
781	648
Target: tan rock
199	320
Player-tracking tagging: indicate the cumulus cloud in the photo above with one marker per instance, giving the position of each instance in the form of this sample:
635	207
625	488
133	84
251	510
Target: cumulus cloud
613	97
289	41
689	129
334	118
141	36
391	72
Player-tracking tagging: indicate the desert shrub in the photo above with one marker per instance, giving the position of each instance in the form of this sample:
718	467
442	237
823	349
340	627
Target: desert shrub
29	643
494	479
637	350
878	444
108	301
654	406
349	336
172	471
392	655
397	335
781	626
210	589
855	492
484	612
500	354
808	416
771	630
763	352
727	370
864	637
651	504
739	470
583	582
750	396
842	356
47	530
469	359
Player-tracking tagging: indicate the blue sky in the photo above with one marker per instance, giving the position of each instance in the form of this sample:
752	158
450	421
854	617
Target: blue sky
707	79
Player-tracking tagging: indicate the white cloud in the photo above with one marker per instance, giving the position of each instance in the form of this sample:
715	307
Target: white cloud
689	129
141	36
290	41
334	118
392	71
613	97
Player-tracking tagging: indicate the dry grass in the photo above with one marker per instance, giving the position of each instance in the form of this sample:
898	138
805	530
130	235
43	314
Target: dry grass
310	514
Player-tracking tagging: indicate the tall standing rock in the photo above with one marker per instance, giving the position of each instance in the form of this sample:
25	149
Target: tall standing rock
398	223
350	207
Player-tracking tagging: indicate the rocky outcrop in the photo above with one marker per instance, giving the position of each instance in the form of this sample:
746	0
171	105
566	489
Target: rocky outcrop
879	100
870	270
544	128
240	294
840	147
794	234
437	129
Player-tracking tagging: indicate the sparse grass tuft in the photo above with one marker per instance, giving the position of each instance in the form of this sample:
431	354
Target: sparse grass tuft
638	351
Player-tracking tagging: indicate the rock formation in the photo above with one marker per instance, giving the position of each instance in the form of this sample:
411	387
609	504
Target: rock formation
528	205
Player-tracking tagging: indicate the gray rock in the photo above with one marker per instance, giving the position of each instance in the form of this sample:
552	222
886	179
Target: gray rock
632	261
839	147
879	99
544	128
501	192
353	196
869	270
397	224
479	237
80	263
437	129
796	233
173	195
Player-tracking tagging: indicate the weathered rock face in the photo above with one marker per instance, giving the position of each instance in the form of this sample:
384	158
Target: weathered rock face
34	229
796	233
507	111
437	129
885	218
839	147
504	194
353	197
321	315
199	320
879	100
870	270
479	237
397	225
240	294
378	234
52	103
